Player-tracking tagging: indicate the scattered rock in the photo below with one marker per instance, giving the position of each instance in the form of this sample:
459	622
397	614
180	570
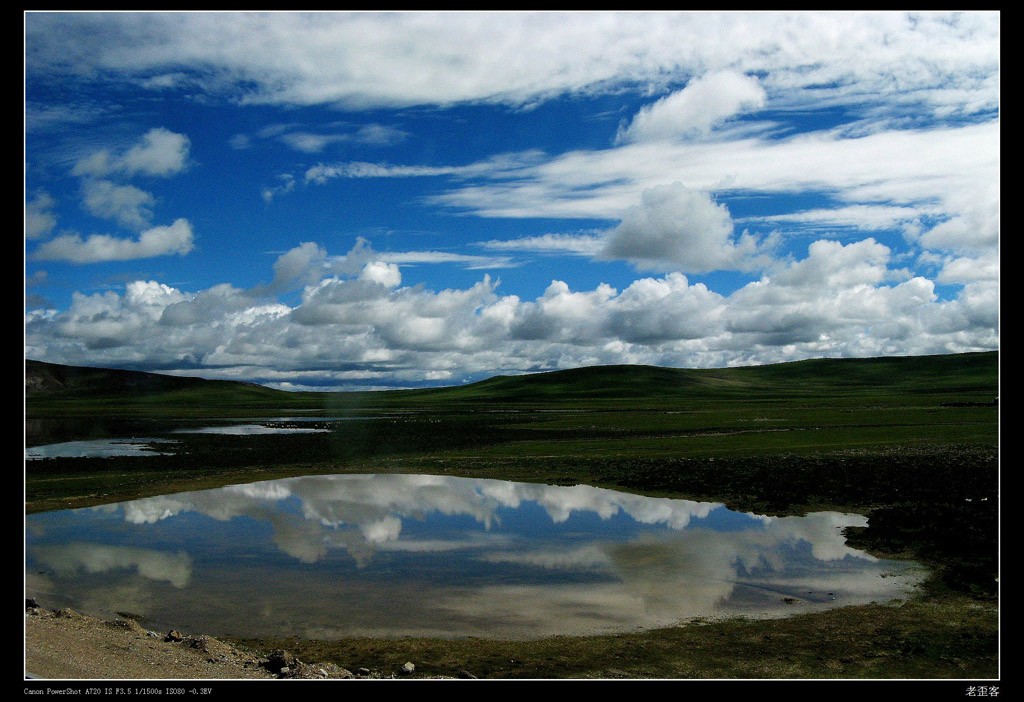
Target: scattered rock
30	603
408	668
332	670
306	671
278	660
201	642
466	675
174	635
789	600
362	671
216	649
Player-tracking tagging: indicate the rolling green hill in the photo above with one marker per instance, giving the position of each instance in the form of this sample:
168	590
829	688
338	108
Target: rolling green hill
971	377
971	372
52	379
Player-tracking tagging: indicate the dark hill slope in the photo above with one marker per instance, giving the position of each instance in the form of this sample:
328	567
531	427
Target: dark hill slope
948	375
54	384
973	376
54	379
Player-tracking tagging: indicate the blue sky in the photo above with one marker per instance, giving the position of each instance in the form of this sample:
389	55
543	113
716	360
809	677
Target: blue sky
370	200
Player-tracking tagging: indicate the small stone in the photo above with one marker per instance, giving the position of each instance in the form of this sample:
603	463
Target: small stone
789	600
279	659
362	671
174	635
30	603
202	642
408	668
466	675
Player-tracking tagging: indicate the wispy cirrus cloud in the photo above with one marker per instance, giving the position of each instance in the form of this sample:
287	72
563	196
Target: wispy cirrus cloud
313	139
931	60
577	244
321	173
929	169
866	217
693	111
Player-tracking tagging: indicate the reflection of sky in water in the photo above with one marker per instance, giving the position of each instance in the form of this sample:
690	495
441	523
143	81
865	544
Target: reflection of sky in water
97	448
310	419
105	448
395	555
249	429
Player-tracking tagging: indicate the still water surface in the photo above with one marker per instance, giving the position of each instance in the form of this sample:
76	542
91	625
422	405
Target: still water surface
250	430
150	446
98	448
419	555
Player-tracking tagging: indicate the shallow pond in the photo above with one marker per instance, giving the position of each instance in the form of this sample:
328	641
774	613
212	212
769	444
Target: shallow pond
150	446
420	555
98	448
251	429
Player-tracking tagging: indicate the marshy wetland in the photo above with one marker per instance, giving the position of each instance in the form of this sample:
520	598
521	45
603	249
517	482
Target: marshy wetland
823	519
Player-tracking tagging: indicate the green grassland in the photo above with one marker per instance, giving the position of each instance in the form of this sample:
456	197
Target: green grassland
913	443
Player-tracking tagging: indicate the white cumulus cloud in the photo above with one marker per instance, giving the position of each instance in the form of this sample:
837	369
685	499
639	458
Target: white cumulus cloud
175	238
159	153
387	274
126	204
361	325
39	217
676	227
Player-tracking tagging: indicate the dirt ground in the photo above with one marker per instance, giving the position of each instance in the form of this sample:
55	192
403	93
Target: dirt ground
69	646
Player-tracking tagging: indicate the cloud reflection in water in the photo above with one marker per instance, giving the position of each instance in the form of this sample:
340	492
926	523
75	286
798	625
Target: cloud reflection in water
393	555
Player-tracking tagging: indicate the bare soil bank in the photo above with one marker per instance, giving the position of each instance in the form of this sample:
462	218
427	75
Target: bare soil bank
66	645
